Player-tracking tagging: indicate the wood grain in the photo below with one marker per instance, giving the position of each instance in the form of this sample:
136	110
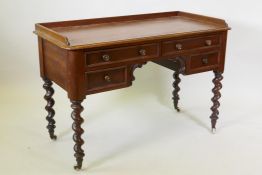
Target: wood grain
127	29
112	32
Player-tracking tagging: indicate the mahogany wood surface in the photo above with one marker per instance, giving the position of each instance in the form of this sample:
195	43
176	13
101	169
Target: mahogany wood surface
96	55
126	29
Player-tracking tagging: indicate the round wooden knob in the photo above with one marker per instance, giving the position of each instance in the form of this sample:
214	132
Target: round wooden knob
107	78
179	46
205	61
106	57
142	52
208	42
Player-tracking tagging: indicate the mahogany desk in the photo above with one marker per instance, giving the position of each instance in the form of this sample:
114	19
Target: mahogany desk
95	55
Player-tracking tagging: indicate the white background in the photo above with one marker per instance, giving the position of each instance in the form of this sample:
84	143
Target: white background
133	130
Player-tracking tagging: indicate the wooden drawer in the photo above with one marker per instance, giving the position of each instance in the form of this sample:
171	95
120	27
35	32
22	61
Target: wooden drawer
176	46
202	62
106	78
109	56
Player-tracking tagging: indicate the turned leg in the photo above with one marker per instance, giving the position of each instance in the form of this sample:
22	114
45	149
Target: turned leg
176	82
217	95
49	107
78	120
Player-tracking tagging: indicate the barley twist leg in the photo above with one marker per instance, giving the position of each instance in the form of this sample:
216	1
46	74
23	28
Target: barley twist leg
216	97
49	107
176	98
76	126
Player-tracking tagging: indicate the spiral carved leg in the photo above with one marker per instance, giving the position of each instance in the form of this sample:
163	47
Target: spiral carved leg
217	95
176	90
78	120
49	107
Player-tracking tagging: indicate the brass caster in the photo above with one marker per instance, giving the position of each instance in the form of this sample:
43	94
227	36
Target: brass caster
54	137
77	167
213	131
177	109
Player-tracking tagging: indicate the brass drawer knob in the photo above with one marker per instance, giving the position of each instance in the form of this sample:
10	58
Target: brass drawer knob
142	52
107	78
205	61
208	42
106	57
179	46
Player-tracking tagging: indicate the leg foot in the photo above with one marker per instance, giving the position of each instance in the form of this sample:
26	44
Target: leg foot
77	167
78	120
217	95
49	107
176	90
213	131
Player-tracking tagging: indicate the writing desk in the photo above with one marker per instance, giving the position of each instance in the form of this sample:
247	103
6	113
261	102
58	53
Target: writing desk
95	55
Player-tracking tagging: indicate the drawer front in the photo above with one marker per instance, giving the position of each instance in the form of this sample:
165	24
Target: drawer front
202	62
122	54
108	78
176	46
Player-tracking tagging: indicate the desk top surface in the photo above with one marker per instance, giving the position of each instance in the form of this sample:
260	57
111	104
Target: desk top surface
91	33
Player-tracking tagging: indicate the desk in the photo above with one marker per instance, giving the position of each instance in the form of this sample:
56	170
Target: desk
95	55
